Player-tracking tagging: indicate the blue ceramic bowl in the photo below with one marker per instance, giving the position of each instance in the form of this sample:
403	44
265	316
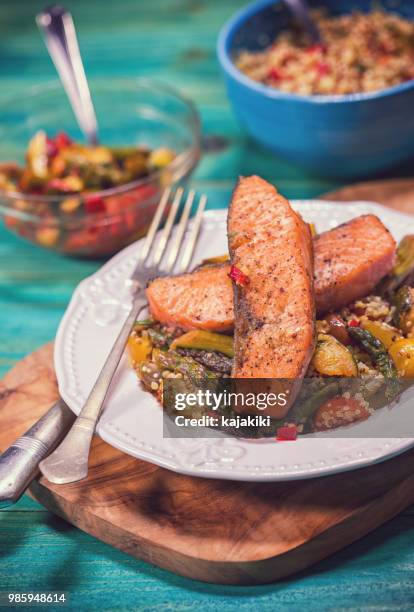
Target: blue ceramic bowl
342	136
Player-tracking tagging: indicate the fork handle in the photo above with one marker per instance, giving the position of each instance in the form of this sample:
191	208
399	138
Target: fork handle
69	462
19	464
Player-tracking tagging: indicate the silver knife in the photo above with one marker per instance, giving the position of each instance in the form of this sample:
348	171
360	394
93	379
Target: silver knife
19	464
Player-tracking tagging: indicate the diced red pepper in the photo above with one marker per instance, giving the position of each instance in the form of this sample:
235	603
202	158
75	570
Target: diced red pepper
275	74
131	200
385	48
353	323
288	432
62	140
94	203
323	68
238	276
318	48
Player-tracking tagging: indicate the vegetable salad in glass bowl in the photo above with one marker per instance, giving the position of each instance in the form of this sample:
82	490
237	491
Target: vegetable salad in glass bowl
83	200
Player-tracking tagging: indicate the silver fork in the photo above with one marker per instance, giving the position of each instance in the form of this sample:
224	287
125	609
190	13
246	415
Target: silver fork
69	462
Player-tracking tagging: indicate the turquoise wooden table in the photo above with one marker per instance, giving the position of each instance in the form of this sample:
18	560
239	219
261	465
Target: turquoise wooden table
173	40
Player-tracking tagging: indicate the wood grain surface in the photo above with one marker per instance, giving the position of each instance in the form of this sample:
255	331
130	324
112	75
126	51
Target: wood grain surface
187	525
397	194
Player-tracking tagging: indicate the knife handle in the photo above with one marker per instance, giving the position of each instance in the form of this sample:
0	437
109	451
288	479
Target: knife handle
19	464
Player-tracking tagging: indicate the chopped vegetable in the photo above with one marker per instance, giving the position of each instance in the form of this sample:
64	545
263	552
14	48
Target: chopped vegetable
143	323
337	328
171	360
150	376
36	155
59	165
47	236
405	257
305	407
379	354
404	309
70	205
161	157
274	74
403	270
382	331
159	337
217	362
339	411
69	175
206	341
94	203
139	347
332	358
238	277
288	432
402	353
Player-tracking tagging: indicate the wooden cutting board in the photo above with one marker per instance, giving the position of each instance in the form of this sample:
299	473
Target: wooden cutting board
211	530
394	193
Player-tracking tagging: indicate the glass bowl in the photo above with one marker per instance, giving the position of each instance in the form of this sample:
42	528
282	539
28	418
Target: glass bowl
129	112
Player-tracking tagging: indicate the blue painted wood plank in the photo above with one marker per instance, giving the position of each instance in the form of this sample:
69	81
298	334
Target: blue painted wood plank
39	549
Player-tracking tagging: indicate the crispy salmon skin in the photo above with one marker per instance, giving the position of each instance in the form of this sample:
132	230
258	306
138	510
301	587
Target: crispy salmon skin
349	262
274	308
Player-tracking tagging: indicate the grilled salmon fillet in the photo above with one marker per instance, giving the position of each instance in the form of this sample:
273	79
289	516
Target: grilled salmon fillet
202	299
350	260
344	271
274	307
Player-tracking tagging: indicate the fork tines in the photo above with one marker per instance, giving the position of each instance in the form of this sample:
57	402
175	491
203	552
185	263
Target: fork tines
156	248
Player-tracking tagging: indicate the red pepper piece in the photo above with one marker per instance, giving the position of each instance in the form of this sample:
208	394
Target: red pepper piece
94	203
238	276
323	68
275	74
288	432
353	323
318	48
62	140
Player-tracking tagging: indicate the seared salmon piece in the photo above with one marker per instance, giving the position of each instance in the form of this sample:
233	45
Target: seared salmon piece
350	260
271	246
344	271
200	300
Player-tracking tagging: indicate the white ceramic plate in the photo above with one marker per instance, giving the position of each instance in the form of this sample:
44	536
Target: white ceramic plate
132	420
